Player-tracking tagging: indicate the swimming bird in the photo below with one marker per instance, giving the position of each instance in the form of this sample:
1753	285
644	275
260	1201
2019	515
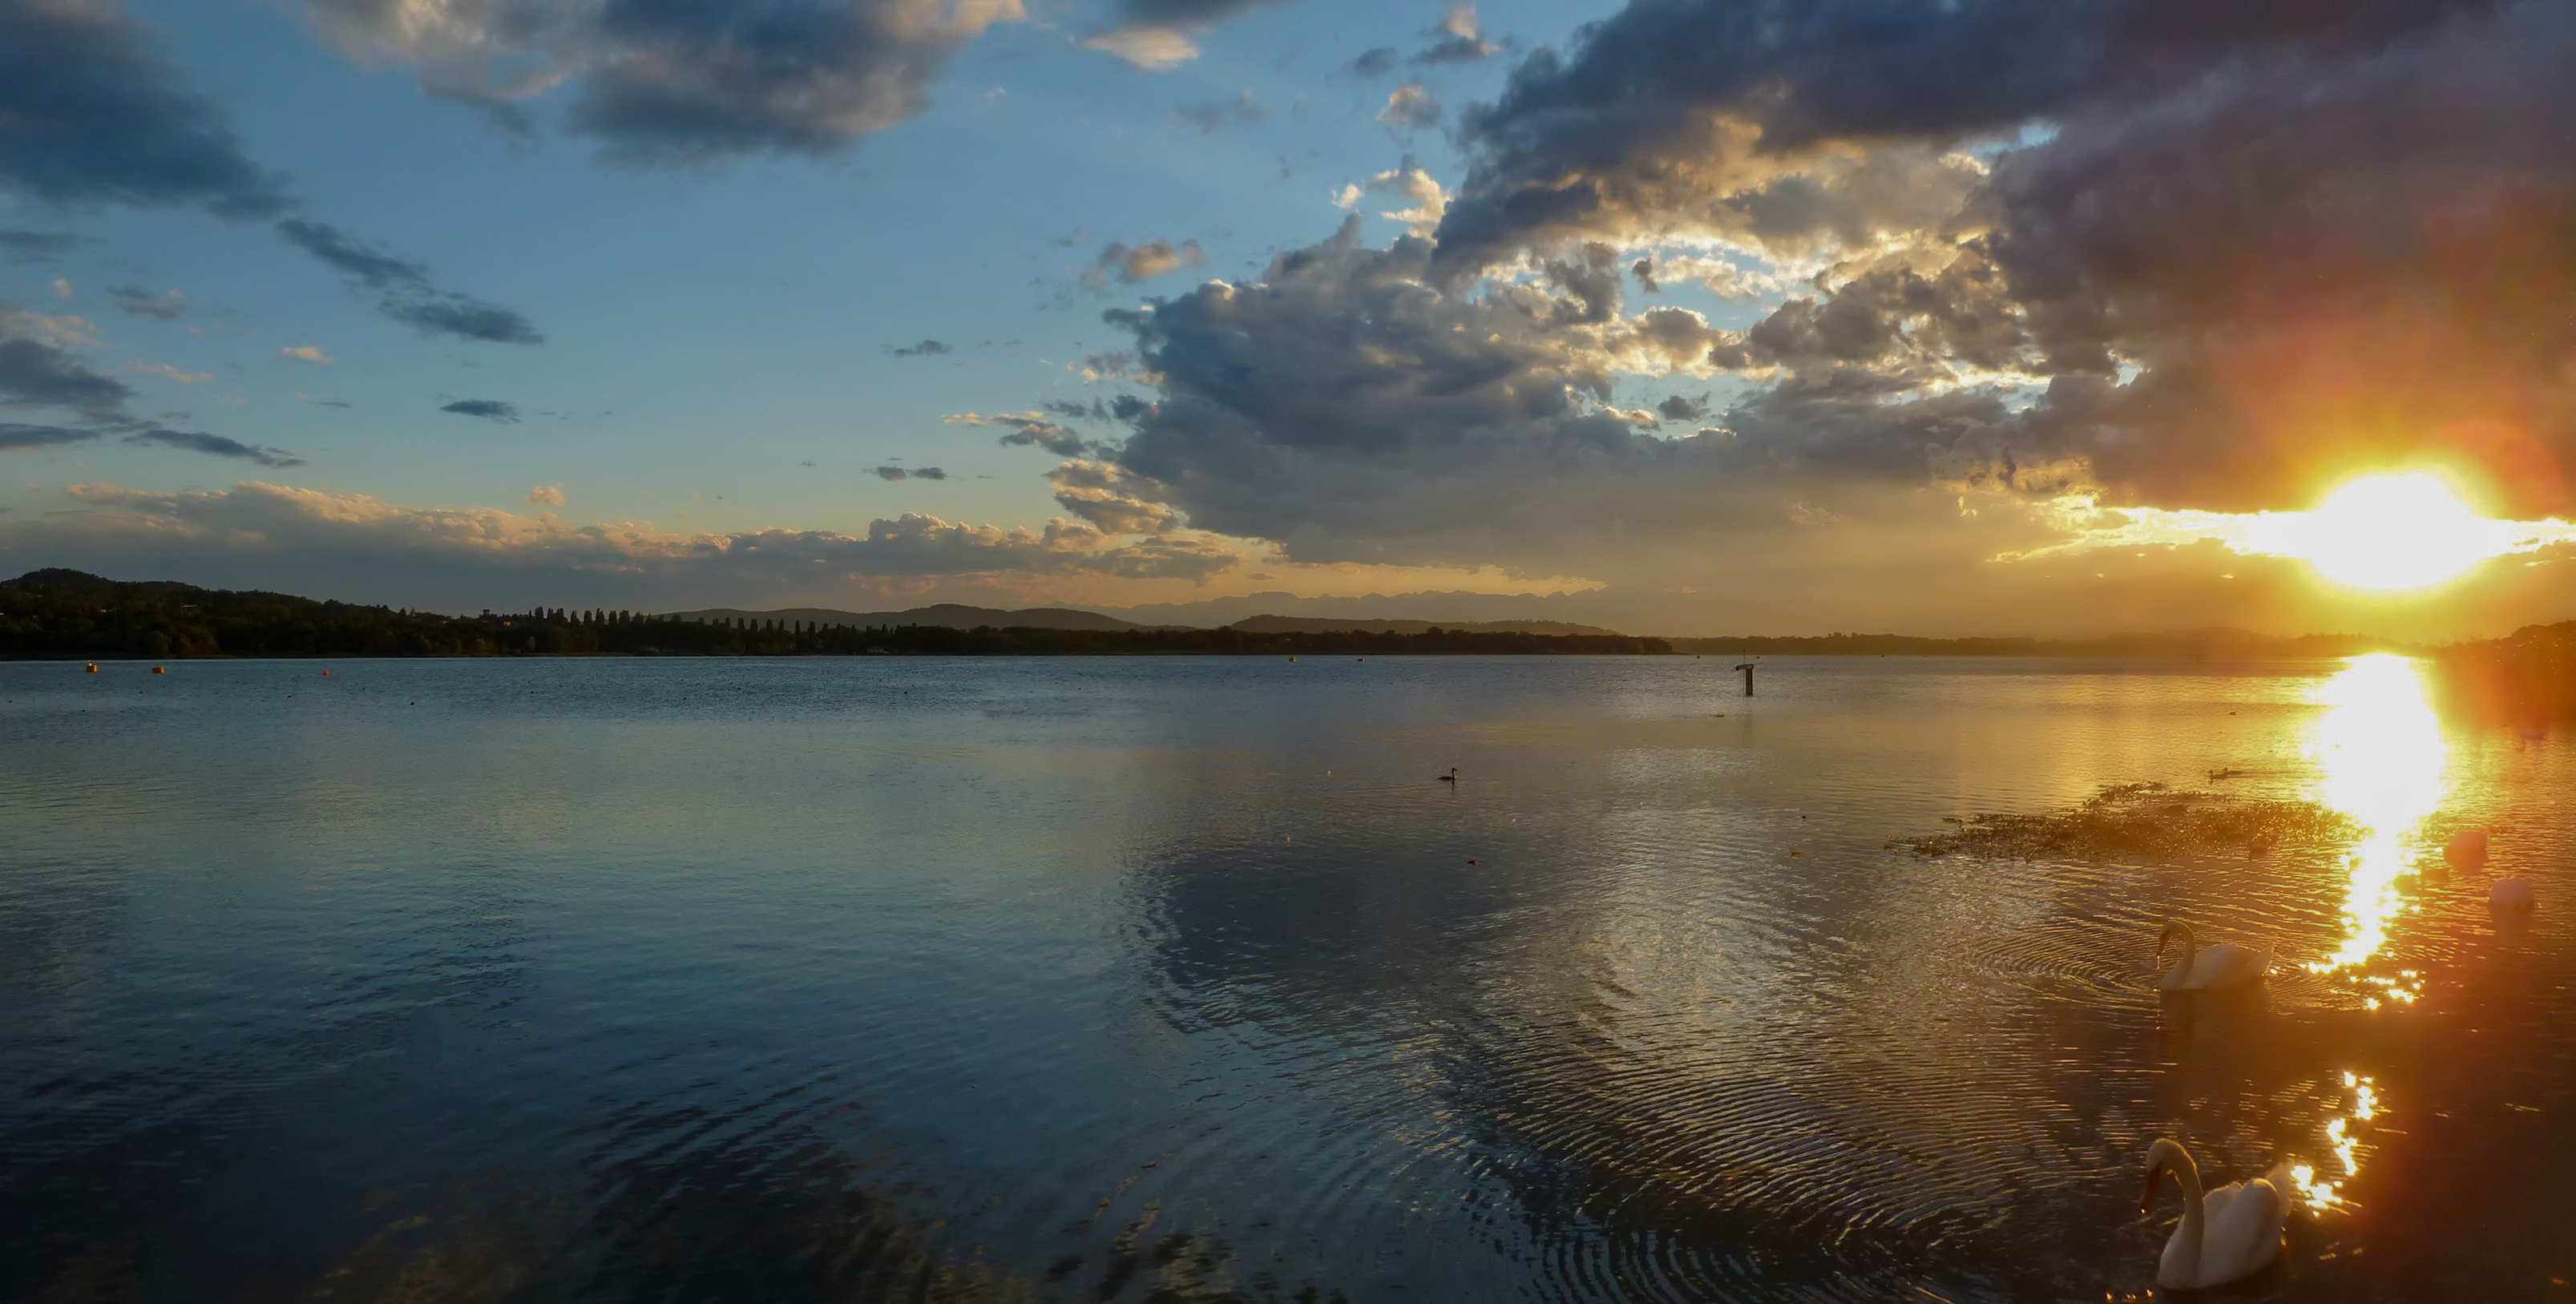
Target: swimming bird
2226	1234
1451	776
2220	964
2512	892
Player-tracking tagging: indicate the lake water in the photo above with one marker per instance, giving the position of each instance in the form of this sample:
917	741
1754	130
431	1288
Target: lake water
1184	979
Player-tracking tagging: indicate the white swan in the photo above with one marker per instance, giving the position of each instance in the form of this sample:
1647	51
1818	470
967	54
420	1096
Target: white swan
2220	964
2225	1234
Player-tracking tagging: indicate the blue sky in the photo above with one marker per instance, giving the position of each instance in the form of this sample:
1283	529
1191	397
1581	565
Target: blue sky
711	330
1711	322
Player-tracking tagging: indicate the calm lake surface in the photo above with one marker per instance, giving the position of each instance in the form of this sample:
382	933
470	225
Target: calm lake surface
1183	979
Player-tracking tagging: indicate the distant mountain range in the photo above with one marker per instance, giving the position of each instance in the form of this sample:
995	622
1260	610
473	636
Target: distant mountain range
1338	625
950	615
947	615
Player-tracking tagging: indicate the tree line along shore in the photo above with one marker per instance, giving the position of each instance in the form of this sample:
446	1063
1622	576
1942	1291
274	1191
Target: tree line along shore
59	614
66	614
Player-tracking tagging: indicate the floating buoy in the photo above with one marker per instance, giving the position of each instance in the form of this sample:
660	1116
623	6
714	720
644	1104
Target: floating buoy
2511	893
160	670
1292	660
93	667
2467	851
326	674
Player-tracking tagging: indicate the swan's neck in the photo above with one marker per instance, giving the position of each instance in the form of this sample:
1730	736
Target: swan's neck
2190	947
2182	1253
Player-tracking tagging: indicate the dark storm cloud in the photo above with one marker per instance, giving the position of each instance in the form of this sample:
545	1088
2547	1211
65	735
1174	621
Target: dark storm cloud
214	446
1667	110
1351	410
681	82
910	473
135	301
91	114
1681	407
408	295
1376	63
2230	268
2297	271
925	349
488	409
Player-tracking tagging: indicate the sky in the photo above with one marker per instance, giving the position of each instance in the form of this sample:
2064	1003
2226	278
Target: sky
1692	317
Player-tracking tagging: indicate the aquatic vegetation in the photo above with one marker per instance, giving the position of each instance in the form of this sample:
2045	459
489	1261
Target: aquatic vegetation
2151	819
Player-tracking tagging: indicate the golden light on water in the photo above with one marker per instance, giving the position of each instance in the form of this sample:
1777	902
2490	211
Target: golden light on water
2397	532
2381	756
2343	1138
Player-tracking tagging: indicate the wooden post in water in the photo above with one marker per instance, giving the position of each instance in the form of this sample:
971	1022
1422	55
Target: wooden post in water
1747	668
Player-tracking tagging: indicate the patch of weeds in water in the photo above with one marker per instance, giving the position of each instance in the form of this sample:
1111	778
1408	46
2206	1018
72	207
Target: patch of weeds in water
2131	819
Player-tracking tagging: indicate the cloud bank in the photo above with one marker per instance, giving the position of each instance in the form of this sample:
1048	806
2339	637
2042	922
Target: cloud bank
2195	232
676	82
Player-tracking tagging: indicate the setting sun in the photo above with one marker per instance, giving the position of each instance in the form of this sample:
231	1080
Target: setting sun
2391	533
2388	533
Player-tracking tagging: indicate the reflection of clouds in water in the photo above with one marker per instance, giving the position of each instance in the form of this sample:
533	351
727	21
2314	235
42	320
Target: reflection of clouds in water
1671	1046
2382	758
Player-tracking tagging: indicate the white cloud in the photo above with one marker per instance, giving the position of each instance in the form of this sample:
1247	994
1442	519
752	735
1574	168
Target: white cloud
546	495
308	353
167	372
1406	182
1410	108
1150	48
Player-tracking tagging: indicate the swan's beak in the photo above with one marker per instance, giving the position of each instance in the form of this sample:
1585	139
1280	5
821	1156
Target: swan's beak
2147	1197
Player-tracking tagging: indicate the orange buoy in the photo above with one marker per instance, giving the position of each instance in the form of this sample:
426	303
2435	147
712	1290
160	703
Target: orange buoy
2467	851
93	667
160	670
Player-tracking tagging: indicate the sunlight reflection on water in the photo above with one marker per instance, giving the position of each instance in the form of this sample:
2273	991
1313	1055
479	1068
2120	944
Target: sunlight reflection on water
2379	746
1183	979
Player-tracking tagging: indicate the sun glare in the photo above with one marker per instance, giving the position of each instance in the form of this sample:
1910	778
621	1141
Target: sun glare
2397	532
2387	533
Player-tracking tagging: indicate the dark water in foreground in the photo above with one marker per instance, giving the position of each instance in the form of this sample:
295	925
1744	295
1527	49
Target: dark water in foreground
1181	979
